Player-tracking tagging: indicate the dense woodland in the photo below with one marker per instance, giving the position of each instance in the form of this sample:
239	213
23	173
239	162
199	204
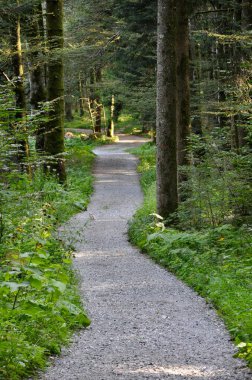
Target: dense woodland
179	72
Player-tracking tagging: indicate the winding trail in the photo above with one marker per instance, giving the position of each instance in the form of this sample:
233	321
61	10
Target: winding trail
146	324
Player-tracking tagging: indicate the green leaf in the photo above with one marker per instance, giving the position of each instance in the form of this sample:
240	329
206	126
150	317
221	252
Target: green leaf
58	285
157	216
70	307
67	261
38	261
41	241
14	286
80	205
31	309
36	282
26	254
242	345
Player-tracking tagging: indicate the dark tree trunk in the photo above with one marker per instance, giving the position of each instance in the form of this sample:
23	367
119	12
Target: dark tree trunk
81	99
183	83
54	138
98	116
118	109
98	105
111	122
69	108
37	71
246	15
196	89
167	188
91	98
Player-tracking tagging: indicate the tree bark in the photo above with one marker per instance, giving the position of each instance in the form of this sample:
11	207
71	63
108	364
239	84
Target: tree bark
37	71
81	99
98	105
246	26
183	83
167	188
111	122
54	138
246	15
69	108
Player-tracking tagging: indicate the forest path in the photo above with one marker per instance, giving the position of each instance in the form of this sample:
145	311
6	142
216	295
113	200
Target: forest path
146	324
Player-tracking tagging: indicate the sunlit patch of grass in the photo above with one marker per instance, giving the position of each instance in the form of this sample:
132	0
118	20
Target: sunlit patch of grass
79	122
127	124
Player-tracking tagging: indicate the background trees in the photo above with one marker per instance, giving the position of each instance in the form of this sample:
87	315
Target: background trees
30	72
110	50
219	139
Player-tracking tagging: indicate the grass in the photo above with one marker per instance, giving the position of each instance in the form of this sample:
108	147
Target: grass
129	125
39	301
216	262
79	122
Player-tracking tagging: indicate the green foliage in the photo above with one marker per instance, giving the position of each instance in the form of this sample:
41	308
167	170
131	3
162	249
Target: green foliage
137	45
129	125
79	122
39	303
215	261
147	165
218	188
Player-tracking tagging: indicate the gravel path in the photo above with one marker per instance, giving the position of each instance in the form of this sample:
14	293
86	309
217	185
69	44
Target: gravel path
146	324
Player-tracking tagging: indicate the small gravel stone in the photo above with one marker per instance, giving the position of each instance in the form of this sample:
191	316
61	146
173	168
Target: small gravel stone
146	324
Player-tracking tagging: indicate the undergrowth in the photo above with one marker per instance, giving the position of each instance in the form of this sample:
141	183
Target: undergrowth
129	125
39	302
215	261
79	122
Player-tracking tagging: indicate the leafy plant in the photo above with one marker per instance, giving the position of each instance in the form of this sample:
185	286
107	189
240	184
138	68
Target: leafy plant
39	302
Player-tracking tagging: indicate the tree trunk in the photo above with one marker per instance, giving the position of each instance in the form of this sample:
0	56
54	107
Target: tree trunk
69	108
196	89
98	115
183	84
111	123
167	188
54	138
246	24
246	15
98	105
81	99
37	72
18	71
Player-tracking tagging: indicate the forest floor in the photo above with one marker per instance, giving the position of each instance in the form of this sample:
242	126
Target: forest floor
146	324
